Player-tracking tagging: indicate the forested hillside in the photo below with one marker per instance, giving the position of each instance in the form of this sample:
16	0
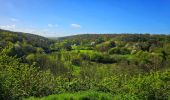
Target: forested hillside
84	67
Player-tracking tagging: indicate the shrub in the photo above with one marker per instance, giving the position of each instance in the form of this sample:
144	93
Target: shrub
18	80
105	46
118	50
76	61
101	58
153	86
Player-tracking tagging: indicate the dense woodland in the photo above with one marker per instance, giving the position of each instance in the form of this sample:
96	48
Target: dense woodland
84	67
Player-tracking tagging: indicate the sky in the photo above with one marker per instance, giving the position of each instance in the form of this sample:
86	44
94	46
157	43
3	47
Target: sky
56	18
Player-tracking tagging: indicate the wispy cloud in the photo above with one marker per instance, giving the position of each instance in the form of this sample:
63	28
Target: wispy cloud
8	27
14	20
31	29
14	28
52	25
75	26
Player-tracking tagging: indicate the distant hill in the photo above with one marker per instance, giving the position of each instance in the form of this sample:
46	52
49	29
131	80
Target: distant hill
34	40
120	37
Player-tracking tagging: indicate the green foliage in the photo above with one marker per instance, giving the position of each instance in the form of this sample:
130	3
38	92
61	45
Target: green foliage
76	61
20	80
34	40
105	46
118	50
106	67
101	58
149	61
45	62
152	86
87	95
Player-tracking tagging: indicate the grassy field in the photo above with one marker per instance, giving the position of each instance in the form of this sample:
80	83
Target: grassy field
86	95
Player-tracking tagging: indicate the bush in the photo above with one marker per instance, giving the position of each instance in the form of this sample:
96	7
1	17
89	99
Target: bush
101	58
153	86
96	57
18	80
118	50
84	56
76	61
105	46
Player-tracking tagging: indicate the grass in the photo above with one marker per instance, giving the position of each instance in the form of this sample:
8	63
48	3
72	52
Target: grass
85	95
84	51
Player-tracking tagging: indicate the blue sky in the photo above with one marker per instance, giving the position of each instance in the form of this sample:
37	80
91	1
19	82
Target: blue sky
68	17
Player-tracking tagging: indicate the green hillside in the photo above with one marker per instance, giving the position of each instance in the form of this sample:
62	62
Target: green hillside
84	67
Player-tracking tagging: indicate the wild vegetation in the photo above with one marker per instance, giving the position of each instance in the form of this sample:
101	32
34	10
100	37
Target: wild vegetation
84	67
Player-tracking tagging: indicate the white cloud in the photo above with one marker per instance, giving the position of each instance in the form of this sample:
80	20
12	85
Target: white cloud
8	27
75	26
14	19
52	25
